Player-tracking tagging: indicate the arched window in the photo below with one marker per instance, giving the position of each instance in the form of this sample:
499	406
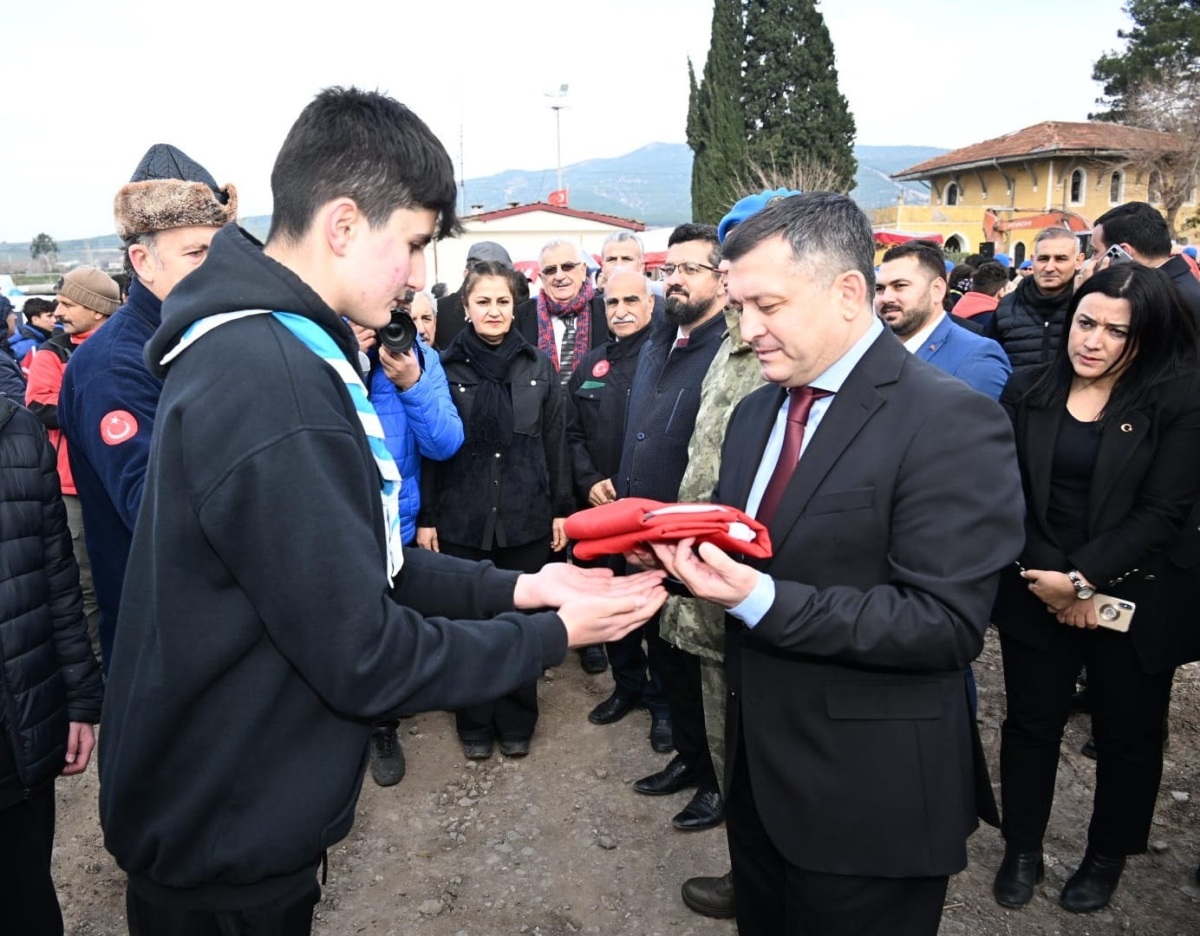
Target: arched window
1115	185
1078	187
1018	253
951	196
953	245
1154	188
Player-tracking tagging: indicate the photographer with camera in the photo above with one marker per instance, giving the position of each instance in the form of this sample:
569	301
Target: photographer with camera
409	392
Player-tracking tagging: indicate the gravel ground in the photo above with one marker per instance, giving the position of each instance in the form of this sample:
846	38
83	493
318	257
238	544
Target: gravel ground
557	843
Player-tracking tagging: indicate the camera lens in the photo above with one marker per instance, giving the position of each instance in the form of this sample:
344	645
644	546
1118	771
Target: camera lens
399	334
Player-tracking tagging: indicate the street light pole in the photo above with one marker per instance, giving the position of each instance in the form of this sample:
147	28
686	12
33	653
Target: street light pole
559	103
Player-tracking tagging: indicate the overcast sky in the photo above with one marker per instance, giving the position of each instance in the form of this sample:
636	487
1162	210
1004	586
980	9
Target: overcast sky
89	86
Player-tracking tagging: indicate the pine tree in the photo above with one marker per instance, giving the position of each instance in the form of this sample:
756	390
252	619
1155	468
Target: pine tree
1162	48
716	119
794	111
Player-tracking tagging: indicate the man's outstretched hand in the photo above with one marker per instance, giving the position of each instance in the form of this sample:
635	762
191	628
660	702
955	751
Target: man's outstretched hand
557	583
600	619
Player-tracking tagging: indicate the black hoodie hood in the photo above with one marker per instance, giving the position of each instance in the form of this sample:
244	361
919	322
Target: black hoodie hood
236	276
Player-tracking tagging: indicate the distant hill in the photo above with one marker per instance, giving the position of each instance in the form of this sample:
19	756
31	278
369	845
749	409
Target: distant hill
652	184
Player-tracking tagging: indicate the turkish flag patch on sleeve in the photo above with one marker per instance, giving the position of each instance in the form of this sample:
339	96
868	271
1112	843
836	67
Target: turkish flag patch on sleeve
117	427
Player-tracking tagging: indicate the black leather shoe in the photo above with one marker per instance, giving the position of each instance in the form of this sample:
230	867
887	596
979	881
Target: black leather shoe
710	896
1089	749
477	750
593	659
706	810
613	709
661	739
674	777
518	748
1019	873
1092	886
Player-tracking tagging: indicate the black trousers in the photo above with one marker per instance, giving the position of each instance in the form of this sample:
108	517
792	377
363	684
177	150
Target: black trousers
514	716
1128	707
291	916
776	898
679	673
631	669
28	904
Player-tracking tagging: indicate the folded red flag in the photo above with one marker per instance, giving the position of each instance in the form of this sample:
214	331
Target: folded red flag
616	528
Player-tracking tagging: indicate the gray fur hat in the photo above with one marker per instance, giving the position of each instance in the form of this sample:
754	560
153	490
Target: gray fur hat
170	190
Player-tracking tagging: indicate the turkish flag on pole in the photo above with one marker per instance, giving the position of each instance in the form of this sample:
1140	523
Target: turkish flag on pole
558	198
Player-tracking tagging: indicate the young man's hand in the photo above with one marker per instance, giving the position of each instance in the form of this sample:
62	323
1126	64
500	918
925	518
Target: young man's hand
594	620
558	583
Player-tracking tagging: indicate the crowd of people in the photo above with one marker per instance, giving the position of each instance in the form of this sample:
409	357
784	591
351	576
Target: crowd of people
275	571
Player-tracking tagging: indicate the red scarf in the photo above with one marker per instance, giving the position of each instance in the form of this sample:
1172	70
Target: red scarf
580	307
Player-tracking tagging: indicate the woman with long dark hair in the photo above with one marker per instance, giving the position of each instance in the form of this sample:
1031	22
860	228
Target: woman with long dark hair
507	493
1108	438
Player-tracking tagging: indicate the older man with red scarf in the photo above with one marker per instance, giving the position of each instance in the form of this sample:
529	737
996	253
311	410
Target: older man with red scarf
561	320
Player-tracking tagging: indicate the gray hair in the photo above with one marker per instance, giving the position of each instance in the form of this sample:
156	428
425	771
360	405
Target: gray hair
622	237
563	242
828	233
1055	233
428	298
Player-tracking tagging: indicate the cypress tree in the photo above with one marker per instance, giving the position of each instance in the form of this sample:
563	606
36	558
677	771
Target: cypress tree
794	111
716	122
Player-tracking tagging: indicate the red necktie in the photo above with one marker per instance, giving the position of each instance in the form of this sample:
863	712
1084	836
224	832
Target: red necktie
800	402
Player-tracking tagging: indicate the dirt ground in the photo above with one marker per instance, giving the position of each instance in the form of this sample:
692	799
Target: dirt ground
558	843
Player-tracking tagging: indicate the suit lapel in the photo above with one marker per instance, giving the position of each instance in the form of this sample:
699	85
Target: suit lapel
1041	431
851	409
1118	441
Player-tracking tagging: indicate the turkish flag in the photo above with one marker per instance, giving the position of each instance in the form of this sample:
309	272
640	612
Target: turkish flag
558	198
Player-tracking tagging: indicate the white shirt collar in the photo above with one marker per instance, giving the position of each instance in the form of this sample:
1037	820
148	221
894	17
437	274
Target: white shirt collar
913	344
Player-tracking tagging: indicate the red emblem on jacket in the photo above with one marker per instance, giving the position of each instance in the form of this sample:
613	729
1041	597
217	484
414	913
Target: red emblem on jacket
600	369
117	427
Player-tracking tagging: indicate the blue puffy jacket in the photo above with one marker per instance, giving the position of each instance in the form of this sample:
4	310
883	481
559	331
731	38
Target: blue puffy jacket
421	421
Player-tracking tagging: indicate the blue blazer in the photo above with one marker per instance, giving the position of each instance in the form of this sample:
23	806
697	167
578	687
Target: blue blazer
977	361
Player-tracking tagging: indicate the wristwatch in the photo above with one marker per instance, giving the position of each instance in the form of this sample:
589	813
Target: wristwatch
1083	590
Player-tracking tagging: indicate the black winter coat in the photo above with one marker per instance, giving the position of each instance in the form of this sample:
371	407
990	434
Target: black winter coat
663	408
1029	325
510	497
597	404
48	676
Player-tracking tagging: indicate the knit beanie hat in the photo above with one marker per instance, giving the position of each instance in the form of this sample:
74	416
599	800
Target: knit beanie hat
171	190
92	289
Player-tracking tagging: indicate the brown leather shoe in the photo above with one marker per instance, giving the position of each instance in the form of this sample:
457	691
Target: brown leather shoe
710	896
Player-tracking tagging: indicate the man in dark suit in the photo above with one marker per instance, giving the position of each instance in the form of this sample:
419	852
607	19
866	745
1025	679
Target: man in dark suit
854	773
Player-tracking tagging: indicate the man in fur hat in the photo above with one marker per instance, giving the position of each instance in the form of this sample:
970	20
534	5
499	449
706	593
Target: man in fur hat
167	214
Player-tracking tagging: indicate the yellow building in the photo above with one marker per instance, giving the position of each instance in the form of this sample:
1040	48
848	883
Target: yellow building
1004	191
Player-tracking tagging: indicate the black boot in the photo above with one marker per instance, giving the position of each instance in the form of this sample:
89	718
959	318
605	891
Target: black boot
387	756
1092	886
1019	873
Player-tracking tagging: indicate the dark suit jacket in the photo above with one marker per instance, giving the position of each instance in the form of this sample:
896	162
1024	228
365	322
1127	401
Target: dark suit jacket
1145	480
849	694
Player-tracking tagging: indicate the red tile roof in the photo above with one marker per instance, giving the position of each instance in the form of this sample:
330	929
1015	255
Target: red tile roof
1051	138
627	223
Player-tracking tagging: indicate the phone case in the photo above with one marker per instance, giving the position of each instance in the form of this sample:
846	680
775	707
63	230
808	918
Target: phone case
1113	613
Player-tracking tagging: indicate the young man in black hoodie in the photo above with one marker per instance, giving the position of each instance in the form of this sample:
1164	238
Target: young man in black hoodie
269	614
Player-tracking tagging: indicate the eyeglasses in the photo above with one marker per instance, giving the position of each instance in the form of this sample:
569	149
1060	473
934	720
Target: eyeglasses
687	269
554	268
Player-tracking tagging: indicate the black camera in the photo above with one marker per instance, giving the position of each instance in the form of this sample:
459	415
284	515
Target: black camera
399	334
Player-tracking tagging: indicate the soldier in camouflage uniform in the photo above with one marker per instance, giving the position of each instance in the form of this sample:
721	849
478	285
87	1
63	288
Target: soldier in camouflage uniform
690	624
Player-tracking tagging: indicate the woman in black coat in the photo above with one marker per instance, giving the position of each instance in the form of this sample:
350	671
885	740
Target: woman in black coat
50	686
506	494
1108	438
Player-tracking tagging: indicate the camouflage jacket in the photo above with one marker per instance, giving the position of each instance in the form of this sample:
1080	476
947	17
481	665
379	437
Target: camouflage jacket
688	623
